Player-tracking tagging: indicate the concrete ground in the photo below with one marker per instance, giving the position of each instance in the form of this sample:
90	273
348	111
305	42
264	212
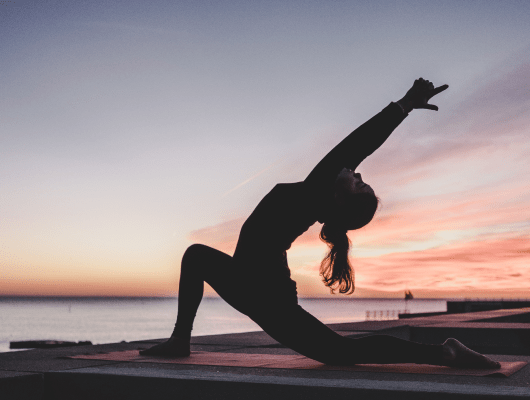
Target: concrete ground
47	373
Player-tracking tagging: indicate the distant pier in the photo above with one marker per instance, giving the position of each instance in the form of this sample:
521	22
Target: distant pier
474	305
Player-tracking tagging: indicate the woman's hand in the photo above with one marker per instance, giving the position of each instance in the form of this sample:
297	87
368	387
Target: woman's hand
419	95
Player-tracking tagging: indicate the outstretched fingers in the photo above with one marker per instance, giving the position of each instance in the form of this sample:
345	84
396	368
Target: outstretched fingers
430	107
419	95
434	92
439	89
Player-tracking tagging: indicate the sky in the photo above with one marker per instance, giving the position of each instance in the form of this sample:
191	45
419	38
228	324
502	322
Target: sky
131	129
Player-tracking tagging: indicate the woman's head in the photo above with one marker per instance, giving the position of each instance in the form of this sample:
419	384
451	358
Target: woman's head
354	203
353	207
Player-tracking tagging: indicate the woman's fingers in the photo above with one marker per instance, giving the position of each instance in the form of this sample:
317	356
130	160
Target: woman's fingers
433	92
439	89
430	107
421	92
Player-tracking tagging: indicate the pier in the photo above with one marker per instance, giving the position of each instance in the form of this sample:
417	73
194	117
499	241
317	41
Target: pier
470	305
253	366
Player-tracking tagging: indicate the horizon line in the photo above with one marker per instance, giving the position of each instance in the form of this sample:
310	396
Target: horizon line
66	297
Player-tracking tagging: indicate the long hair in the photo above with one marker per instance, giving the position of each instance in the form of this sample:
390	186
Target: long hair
335	269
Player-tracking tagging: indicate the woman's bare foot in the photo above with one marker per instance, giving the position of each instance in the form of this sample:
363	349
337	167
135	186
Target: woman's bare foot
173	347
458	355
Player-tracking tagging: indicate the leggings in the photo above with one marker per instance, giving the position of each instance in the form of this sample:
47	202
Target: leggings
289	324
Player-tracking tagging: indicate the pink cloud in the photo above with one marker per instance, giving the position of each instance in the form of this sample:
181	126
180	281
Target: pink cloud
487	265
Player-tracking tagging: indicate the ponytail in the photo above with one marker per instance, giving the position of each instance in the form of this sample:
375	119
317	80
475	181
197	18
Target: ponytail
335	269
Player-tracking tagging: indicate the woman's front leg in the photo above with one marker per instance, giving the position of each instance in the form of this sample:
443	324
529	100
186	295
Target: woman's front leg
199	264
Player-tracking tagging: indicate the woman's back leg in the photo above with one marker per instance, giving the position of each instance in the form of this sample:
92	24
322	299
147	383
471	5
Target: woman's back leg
299	330
296	328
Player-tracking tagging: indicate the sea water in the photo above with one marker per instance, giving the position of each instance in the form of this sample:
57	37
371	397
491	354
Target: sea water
111	320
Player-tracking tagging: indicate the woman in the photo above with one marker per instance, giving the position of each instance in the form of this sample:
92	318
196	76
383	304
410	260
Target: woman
256	280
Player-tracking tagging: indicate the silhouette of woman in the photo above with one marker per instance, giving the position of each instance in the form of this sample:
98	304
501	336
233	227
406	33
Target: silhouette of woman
256	280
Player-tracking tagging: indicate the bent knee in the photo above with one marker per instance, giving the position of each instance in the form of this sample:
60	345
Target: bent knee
194	252
205	256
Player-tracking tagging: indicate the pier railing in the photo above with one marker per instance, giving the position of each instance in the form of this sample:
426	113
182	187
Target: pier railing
384	315
453	306
494	299
474	305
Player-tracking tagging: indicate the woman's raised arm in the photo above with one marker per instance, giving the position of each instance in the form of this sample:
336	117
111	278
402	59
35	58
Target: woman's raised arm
358	145
367	138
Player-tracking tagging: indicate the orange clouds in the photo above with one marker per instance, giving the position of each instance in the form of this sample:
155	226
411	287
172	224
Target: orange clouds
485	268
487	265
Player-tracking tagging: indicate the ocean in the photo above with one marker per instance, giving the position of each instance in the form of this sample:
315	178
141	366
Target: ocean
111	320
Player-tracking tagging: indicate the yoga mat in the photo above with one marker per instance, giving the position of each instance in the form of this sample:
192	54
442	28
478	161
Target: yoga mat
298	362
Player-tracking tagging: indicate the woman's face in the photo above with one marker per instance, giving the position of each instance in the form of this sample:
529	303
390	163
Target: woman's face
354	203
349	182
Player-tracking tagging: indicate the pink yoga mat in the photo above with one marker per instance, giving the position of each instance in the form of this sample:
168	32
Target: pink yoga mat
298	362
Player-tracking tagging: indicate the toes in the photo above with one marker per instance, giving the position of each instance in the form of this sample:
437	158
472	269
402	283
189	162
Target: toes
493	364
167	349
151	351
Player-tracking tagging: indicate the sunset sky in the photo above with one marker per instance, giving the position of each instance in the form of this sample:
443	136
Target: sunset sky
132	129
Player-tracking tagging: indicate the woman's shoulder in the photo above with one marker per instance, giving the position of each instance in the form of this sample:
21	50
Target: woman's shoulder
303	190
294	191
294	186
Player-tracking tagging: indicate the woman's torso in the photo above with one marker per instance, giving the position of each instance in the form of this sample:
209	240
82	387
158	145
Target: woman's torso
286	212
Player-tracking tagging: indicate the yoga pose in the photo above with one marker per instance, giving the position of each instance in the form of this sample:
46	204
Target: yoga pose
256	279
